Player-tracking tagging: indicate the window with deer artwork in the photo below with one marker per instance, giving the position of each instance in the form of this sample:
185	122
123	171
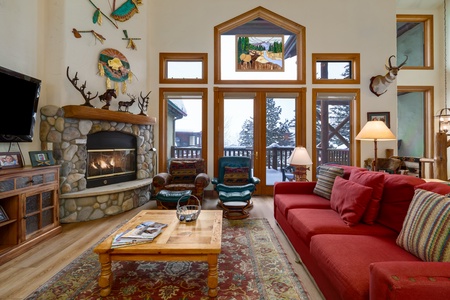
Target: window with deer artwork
259	46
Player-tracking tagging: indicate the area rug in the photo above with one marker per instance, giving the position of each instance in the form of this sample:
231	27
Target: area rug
252	265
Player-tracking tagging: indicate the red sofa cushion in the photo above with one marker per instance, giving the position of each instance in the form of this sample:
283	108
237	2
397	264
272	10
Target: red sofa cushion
409	280
397	195
307	222
376	181
435	187
350	200
345	260
285	202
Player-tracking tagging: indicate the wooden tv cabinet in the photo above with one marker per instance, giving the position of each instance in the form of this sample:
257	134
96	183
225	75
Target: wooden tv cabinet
29	197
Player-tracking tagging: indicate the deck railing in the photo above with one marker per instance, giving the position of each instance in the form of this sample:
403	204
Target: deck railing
276	156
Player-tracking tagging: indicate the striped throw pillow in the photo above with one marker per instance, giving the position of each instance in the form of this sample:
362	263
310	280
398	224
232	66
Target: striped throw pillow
426	229
325	180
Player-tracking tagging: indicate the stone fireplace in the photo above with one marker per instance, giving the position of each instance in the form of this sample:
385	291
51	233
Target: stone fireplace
73	134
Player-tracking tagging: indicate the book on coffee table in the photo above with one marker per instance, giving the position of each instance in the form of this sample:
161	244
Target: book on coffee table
143	233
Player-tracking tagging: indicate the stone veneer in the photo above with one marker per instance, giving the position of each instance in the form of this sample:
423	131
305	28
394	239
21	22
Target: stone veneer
68	138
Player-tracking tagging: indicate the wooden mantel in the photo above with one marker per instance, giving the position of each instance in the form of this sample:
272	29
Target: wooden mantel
91	113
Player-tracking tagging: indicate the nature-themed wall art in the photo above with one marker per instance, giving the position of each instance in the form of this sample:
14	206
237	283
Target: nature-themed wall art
121	11
115	67
261	53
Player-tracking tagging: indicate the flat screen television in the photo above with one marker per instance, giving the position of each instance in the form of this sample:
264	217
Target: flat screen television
19	97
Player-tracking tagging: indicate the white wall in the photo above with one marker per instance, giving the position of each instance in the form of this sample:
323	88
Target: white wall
36	38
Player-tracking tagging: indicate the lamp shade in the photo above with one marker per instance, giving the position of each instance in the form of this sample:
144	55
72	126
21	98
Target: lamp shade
299	157
375	131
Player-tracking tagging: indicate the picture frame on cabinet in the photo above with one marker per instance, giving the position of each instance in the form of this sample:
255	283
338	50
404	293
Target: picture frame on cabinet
380	116
41	158
11	160
3	215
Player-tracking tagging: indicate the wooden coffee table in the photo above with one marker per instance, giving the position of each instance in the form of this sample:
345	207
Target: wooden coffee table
179	241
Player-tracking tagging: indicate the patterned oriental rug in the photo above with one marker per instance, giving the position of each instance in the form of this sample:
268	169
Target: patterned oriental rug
252	265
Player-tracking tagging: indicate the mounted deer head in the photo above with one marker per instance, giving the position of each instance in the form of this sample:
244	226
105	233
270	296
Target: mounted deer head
380	83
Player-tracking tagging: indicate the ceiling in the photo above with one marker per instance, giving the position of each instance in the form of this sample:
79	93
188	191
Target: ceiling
419	4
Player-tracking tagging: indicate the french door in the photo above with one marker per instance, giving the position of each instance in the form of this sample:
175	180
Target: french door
263	124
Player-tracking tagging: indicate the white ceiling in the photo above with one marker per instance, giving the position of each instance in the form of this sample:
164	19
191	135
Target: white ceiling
419	4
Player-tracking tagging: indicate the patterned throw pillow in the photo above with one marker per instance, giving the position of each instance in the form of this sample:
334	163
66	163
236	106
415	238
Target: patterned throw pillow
325	180
183	171
235	176
426	229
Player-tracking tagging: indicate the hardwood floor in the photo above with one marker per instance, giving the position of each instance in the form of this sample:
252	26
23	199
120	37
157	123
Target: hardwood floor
22	275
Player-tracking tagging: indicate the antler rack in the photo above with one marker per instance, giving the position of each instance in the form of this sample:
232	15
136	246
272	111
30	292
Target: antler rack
74	81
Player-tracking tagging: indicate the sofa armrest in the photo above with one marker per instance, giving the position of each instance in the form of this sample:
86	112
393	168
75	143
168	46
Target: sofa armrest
409	280
294	187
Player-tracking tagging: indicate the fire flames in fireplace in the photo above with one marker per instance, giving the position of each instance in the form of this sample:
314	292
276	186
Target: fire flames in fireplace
107	164
110	162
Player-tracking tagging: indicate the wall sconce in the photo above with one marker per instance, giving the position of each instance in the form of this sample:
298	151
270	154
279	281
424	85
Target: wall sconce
300	160
444	120
375	131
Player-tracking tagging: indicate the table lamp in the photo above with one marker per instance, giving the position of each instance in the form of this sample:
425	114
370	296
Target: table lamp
300	160
375	131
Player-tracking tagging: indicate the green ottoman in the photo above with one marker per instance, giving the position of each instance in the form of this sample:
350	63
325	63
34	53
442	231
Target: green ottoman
169	199
235	205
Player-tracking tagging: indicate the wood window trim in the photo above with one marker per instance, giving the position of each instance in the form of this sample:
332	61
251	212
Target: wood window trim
354	58
428	40
163	109
164	58
261	12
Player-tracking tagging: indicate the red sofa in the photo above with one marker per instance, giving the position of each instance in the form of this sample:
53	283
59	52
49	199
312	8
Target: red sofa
362	260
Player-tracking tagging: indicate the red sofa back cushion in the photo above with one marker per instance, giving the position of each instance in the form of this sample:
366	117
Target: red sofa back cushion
397	195
374	180
435	187
348	169
350	200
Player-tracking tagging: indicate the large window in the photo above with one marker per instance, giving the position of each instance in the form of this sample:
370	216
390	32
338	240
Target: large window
183	119
335	115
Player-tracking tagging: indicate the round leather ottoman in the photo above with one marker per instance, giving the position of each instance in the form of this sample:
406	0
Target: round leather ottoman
235	205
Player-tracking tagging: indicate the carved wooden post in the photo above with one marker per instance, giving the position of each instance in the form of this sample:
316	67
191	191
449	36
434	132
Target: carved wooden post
440	164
